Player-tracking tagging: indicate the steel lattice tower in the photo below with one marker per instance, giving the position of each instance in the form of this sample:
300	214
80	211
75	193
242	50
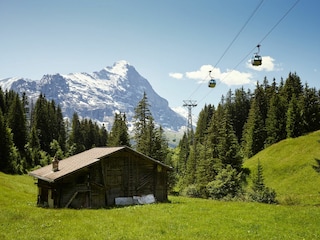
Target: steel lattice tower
189	104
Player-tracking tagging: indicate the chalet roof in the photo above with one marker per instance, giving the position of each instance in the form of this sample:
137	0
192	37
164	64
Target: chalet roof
81	160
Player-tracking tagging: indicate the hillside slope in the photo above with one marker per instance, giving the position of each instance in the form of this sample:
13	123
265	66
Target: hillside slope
287	168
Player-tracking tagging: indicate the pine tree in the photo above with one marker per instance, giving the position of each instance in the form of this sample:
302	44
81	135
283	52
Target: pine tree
311	110
76	139
276	120
88	133
213	132
240	111
261	193
292	87
203	122
254	134
2	101
119	132
48	121
41	122
183	155
61	129
143	126
228	146
16	120
8	152
294	126
190	177
103	136
34	148
205	170
160	145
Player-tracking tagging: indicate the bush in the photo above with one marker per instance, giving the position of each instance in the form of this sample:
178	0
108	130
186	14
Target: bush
191	191
226	185
265	195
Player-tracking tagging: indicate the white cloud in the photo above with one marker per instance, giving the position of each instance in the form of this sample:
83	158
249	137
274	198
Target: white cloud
234	77
267	65
203	73
180	110
176	75
230	77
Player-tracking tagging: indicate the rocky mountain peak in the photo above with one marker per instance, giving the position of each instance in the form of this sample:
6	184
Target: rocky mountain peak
100	94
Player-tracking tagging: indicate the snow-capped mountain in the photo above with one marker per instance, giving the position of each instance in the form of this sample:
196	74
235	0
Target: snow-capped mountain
99	95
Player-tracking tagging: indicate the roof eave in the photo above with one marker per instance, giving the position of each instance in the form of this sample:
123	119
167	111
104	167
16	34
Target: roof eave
42	177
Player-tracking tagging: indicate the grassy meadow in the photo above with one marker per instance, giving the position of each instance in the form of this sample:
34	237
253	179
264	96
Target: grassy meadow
183	218
287	168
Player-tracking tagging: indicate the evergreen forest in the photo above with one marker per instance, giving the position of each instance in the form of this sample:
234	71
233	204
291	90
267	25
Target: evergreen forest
208	161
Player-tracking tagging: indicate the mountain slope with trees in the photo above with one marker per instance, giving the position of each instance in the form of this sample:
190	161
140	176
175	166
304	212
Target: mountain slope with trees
31	142
210	161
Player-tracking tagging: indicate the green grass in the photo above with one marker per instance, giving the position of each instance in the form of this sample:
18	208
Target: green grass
287	168
183	218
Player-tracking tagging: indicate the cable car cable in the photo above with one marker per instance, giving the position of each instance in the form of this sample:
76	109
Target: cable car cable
265	36
280	20
237	35
231	43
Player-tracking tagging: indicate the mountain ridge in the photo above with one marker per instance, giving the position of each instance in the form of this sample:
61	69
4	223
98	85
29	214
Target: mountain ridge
98	95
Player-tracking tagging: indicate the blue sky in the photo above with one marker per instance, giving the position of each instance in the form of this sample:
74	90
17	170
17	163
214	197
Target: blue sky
171	43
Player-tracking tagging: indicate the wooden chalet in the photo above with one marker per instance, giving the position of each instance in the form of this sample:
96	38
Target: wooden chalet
97	177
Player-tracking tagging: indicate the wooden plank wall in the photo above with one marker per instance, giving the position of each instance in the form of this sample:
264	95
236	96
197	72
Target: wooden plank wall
119	175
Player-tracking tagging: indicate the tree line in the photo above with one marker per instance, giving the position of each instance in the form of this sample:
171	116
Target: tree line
31	134
208	162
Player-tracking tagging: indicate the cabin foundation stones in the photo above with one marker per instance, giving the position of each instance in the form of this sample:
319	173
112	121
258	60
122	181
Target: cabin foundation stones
102	177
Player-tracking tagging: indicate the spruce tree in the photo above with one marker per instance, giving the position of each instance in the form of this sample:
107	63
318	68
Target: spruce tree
8	152
294	121
254	133
276	120
292	87
76	139
311	110
205	169
240	111
103	136
228	146
61	129
119	132
190	177
143	122
88	133
42	123
260	192
2	101
184	153
160	145
16	120
34	148
203	122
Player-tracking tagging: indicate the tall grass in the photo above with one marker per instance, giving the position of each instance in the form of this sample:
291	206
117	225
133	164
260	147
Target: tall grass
183	218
